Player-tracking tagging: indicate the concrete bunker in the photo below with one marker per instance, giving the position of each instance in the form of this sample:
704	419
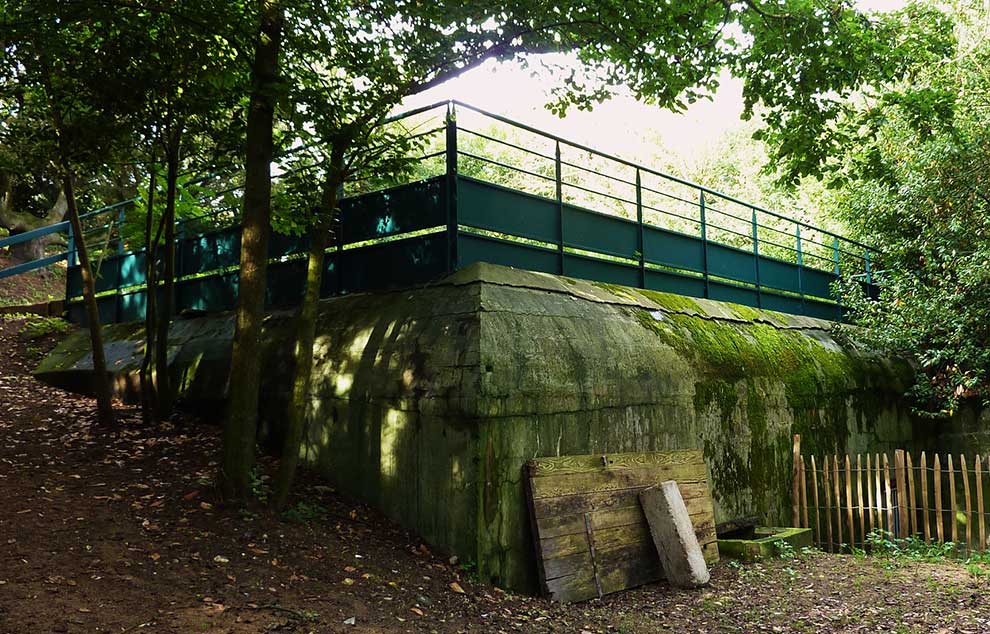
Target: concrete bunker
427	402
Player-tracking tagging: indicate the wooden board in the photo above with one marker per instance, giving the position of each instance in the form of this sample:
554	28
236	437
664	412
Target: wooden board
590	531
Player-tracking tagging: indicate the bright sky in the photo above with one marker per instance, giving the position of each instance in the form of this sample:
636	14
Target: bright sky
615	126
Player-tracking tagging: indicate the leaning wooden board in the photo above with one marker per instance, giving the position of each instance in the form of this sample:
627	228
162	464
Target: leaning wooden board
590	531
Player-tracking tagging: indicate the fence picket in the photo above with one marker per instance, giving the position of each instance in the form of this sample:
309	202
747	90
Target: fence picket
900	478
859	496
876	474
849	505
912	497
828	503
890	497
869	490
838	503
804	493
952	502
814	491
979	502
795	490
924	498
939	523
969	504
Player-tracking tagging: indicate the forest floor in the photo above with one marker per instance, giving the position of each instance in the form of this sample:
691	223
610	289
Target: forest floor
32	287
120	531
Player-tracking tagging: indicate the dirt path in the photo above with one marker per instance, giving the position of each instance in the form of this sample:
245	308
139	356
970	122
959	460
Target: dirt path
121	532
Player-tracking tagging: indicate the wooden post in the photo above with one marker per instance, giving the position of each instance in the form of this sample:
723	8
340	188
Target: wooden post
979	502
849	505
900	475
795	484
804	493
939	522
952	502
969	504
828	503
869	490
814	493
889	495
912	496
924	498
838	502
859	496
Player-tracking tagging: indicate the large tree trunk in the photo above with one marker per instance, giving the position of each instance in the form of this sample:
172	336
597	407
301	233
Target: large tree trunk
245	364
163	381
17	222
101	380
305	336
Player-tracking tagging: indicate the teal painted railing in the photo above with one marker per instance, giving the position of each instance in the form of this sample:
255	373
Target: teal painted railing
491	189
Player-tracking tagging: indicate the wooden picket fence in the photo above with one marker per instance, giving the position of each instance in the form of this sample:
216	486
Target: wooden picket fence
844	498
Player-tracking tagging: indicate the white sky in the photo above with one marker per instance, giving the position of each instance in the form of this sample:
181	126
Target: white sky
615	126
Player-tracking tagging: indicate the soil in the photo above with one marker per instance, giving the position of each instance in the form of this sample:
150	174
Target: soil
33	287
121	531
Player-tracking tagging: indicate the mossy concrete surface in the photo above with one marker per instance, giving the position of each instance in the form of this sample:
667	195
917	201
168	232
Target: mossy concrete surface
427	402
766	543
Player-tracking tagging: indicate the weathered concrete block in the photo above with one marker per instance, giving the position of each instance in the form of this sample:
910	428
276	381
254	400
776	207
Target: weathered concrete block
673	535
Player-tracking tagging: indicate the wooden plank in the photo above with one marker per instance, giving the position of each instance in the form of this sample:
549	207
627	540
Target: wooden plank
615	479
849	505
563	465
979	502
804	493
888	494
838	502
939	522
952	501
912	498
900	477
870	512
828	504
859	498
924	499
590	531
818	508
795	481
969	504
583	502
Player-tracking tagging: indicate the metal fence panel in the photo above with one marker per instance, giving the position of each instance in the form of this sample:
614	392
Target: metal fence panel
501	210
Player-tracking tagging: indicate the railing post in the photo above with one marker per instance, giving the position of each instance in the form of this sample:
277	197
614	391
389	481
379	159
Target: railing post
121	217
71	247
642	238
756	261
451	182
559	180
800	264
838	274
704	243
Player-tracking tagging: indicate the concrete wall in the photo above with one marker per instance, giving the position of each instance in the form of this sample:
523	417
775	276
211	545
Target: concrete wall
427	402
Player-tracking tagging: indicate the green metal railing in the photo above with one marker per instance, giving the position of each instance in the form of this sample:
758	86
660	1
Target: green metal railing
487	188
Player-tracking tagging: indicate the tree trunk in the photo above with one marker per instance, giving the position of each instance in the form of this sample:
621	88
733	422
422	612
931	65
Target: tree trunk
163	380
101	379
149	401
305	336
21	222
245	364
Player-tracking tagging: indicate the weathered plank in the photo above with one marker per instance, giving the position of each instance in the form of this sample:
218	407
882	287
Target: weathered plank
795	481
673	536
900	477
590	531
888	494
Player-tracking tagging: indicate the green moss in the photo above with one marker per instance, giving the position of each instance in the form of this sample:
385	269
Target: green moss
674	303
